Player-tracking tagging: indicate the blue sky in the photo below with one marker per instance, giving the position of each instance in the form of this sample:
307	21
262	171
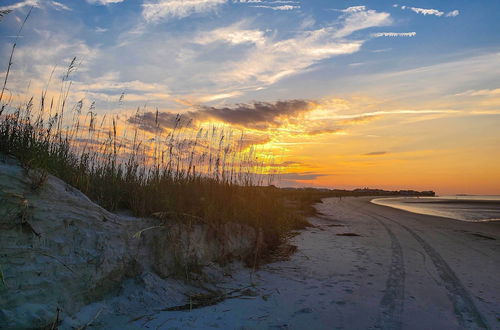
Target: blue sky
173	46
371	72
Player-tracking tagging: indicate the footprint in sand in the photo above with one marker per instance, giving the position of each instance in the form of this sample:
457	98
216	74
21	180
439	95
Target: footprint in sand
337	302
306	310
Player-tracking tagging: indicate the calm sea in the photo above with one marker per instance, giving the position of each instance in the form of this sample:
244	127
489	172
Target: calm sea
465	208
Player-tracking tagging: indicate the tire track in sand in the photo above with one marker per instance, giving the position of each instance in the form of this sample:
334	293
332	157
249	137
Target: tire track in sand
465	310
392	303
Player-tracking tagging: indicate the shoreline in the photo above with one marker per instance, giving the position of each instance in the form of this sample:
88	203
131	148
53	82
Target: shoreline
433	212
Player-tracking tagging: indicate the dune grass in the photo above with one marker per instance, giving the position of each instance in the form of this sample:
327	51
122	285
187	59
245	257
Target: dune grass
183	171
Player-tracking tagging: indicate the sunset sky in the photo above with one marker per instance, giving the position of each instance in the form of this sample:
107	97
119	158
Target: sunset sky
381	94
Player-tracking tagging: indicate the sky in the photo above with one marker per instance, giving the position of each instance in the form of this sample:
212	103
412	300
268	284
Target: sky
349	94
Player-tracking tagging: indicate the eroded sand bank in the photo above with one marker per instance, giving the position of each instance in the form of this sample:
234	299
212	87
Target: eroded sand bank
404	270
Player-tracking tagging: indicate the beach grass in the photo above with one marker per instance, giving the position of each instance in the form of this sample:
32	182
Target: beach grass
184	171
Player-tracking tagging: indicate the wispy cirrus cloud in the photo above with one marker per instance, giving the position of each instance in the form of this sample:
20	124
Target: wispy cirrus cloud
154	11
281	8
36	4
218	96
51	48
234	34
425	11
394	34
359	18
60	6
472	73
110	86
104	2
19	5
267	60
250	57
429	11
480	92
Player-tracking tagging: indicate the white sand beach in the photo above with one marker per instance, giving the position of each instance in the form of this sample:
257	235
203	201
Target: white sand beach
404	270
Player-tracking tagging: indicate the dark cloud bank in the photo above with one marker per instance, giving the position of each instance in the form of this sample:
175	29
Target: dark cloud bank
258	115
375	153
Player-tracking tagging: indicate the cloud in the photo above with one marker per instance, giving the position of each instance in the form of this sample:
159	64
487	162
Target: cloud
300	118
37	4
289	163
258	115
267	60
249	139
36	61
354	9
453	13
301	176
375	153
103	2
359	119
384	50
424	11
25	3
429	11
158	121
215	64
410	112
410	85
394	34
155	11
109	85
325	130
234	34
282	8
219	96
60	6
480	92
359	18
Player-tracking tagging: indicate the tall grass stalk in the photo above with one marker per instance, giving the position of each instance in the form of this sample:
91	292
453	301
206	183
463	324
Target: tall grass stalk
203	172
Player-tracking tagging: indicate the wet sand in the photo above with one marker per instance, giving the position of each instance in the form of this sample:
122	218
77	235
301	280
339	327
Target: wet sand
393	270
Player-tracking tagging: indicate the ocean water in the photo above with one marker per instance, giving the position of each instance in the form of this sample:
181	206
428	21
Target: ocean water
465	208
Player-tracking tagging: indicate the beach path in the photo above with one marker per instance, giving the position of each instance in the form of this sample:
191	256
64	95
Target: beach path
366	266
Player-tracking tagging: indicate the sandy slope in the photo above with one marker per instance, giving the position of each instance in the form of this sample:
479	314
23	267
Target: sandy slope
63	257
405	271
